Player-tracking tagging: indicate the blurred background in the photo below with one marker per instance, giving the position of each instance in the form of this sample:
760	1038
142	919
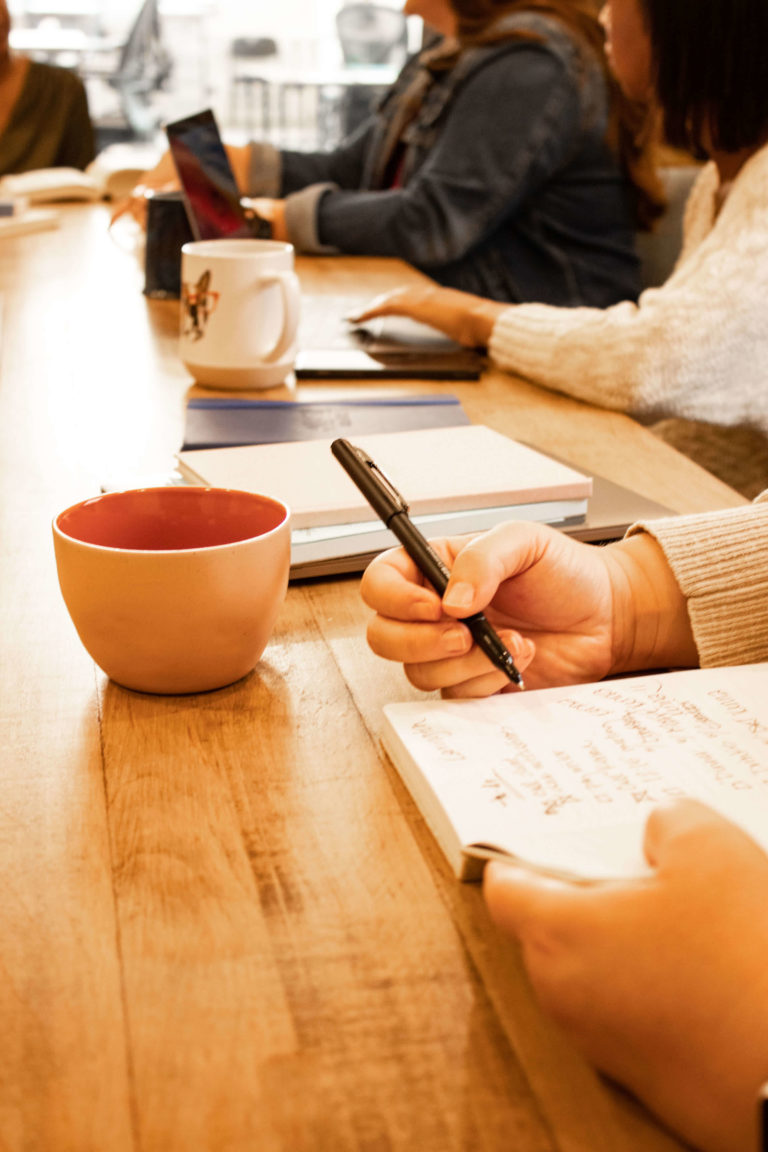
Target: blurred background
300	73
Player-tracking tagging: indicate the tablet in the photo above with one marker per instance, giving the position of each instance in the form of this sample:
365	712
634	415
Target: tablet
383	348
208	185
409	364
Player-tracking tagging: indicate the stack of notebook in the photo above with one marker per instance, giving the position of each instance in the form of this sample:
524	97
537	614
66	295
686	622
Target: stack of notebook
457	479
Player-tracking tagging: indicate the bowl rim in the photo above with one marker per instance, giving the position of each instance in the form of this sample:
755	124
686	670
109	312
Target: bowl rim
58	531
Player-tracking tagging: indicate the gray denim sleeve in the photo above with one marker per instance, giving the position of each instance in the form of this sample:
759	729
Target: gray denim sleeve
265	170
301	214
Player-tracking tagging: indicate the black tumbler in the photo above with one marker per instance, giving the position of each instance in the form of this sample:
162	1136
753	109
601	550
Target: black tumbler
167	229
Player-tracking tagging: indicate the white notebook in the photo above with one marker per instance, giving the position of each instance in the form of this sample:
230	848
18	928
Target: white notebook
111	175
561	780
437	470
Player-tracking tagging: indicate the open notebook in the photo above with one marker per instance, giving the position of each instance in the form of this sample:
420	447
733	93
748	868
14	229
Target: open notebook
561	780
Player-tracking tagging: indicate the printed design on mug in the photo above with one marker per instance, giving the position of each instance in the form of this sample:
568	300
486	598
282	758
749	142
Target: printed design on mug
198	303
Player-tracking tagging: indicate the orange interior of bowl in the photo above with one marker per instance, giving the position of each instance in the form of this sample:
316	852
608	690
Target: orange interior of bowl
162	519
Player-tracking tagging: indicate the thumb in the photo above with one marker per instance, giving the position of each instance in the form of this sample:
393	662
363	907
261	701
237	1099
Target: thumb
518	899
679	823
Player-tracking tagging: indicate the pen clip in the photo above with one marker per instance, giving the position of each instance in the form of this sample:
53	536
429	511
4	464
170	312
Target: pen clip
397	499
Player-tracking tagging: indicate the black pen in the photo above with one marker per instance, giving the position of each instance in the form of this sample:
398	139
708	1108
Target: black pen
392	509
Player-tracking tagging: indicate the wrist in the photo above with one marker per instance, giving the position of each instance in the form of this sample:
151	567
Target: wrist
651	626
468	318
239	159
478	318
279	226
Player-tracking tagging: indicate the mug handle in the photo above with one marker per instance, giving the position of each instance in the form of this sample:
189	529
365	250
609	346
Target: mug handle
289	286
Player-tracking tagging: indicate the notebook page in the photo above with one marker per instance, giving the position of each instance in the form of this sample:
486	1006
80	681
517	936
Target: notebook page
564	778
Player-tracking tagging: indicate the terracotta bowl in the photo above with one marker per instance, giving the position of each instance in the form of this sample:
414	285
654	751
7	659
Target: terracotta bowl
174	590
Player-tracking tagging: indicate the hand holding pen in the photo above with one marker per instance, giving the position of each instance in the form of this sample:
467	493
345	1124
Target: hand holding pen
567	611
392	509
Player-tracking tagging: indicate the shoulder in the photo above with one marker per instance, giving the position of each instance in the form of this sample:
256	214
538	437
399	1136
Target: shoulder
539	67
535	31
744	214
51	78
749	187
546	53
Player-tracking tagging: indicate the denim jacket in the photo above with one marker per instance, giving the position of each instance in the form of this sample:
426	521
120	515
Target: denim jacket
507	187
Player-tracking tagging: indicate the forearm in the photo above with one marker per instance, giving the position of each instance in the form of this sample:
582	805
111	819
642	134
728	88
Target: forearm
690	348
342	166
239	159
466	318
262	170
614	357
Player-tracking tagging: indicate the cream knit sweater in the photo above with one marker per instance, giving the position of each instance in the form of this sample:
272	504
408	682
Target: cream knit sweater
720	561
697	347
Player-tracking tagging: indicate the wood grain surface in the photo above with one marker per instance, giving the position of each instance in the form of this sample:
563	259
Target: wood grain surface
224	926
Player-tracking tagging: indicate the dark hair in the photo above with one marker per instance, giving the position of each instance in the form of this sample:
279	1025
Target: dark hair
475	18
710	71
630	129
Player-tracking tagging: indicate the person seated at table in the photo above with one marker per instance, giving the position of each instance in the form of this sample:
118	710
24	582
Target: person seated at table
44	120
695	348
503	161
662	982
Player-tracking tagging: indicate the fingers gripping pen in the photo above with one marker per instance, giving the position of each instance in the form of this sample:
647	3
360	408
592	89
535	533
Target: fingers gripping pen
392	509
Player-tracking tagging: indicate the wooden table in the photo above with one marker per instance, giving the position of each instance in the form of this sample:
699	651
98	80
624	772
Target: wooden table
223	924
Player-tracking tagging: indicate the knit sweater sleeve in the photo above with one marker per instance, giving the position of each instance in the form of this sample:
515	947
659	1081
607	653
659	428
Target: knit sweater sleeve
693	348
720	561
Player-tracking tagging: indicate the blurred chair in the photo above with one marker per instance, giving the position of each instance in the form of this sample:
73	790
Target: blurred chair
658	250
243	80
143	68
369	34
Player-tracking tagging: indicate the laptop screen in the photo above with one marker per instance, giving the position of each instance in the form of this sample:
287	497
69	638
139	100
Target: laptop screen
208	185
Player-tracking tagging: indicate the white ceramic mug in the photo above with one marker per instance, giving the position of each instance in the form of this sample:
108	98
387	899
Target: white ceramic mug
239	312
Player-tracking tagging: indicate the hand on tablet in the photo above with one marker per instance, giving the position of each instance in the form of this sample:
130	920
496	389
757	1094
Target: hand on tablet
465	318
161	178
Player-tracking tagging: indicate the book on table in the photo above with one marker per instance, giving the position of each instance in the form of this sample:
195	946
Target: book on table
110	176
27	220
228	422
456	479
561	780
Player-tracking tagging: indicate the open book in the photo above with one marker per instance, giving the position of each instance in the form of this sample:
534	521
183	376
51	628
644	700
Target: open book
111	176
561	780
